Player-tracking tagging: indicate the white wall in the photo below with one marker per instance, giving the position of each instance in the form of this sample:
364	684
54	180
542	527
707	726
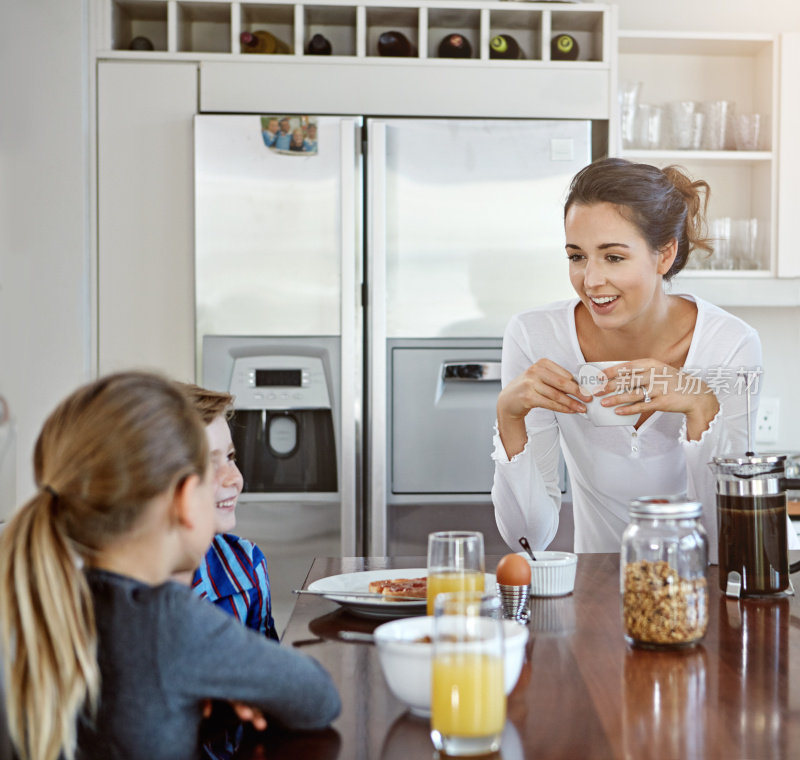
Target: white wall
46	287
45	293
779	329
771	16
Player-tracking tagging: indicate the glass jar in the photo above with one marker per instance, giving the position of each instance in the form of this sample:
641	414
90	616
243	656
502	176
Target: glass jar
663	573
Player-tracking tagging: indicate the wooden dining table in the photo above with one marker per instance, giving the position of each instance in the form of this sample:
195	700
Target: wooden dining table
583	691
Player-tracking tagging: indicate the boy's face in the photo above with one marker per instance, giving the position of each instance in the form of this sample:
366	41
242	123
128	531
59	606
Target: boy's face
227	479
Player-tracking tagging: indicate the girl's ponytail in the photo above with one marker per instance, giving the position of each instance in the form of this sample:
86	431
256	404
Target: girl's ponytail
48	631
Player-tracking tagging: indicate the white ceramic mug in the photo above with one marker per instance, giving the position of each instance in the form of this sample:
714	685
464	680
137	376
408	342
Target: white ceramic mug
591	378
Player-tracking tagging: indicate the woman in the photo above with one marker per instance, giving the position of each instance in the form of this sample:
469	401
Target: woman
629	229
103	656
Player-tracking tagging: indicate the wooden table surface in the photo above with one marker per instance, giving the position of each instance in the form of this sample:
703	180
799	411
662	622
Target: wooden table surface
583	693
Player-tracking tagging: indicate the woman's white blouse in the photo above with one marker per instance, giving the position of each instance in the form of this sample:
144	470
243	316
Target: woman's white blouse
609	466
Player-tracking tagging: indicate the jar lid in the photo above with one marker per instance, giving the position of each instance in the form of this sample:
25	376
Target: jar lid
665	506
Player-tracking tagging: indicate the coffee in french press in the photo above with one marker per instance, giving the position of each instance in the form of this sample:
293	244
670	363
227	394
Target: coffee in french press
753	524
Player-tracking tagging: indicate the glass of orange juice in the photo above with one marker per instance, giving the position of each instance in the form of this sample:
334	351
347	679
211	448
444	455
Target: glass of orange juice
455	563
468	701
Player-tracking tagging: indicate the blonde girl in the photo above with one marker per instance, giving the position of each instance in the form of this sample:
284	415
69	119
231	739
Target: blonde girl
103	656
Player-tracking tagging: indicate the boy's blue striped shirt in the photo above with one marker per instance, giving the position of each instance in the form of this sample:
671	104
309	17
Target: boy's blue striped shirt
233	575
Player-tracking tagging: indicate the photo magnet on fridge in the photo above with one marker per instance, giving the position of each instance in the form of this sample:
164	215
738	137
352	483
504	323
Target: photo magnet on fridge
290	135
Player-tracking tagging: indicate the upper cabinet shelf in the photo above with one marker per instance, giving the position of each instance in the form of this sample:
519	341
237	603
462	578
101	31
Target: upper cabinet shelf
208	28
691	99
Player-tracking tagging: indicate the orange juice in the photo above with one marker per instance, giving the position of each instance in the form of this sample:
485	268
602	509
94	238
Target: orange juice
467	697
453	580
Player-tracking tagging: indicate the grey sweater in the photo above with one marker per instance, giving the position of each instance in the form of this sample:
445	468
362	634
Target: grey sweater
162	652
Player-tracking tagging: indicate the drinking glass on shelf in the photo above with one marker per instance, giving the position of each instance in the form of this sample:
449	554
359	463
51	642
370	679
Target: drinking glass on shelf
719	115
685	125
647	127
746	131
468	702
744	243
720	232
628	100
455	563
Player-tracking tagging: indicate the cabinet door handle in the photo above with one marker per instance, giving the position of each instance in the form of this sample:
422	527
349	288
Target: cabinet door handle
475	371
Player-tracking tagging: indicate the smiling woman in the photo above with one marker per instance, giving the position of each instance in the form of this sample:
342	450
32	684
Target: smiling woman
629	229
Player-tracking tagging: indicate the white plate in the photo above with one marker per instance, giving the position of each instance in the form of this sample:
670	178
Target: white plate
376	608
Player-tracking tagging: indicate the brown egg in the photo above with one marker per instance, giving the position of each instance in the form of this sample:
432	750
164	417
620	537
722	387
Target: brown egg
513	570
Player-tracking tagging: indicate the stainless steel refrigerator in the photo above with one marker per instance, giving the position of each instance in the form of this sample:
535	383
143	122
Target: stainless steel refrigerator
396	253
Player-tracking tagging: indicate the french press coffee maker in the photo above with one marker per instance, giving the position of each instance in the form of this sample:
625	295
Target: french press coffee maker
752	521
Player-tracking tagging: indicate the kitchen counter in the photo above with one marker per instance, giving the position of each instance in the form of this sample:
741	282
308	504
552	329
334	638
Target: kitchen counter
583	692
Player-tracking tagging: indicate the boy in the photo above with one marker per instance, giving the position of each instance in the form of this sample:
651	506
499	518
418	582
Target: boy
233	574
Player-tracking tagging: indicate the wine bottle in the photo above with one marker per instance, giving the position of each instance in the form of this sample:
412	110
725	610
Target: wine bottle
504	46
263	42
319	45
395	44
564	47
455	46
141	43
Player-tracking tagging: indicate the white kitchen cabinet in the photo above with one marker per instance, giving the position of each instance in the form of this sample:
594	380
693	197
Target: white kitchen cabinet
355	79
757	73
145	217
743	70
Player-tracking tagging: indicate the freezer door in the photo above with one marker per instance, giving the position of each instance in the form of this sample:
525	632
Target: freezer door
473	221
443	412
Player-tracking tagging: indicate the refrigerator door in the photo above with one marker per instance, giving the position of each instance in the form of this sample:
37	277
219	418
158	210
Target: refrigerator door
474	224
442	413
465	229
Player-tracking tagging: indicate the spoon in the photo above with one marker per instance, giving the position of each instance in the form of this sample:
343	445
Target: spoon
523	542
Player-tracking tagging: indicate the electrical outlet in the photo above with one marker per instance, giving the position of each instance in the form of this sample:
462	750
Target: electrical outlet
767	420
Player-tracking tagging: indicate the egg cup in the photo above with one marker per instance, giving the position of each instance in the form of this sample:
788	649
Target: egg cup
515	601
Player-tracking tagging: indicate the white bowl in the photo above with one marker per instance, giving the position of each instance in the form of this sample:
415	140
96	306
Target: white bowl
553	573
406	662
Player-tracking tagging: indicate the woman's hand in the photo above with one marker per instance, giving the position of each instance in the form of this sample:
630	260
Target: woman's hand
649	385
544	385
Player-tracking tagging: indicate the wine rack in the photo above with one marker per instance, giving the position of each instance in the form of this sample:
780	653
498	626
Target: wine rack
209	28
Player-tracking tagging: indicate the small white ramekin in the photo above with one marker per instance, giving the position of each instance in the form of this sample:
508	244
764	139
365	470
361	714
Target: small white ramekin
553	573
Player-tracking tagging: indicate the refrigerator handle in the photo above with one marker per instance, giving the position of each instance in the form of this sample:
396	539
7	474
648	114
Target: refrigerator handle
350	384
473	372
376	486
